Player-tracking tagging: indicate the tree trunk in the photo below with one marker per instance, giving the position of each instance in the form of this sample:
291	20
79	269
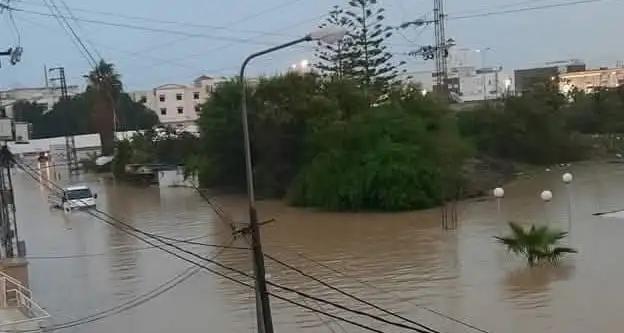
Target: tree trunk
103	118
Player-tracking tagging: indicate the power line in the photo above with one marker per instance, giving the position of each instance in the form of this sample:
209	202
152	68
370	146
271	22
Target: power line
226	218
127	229
175	61
136	249
502	6
73	32
18	34
394	314
285	288
524	9
223	216
71	14
143	28
301	272
373	286
60	22
135	232
189	24
160	239
136	301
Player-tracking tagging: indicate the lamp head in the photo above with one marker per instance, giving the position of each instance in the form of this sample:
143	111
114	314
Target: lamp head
546	196
567	178
330	34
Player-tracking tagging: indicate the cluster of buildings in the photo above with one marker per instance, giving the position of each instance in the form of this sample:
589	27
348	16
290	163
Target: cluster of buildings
571	75
178	105
468	84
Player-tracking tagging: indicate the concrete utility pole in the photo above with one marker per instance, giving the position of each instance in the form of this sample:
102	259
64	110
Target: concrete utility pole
70	142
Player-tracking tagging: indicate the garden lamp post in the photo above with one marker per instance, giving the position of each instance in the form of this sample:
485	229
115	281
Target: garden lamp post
499	194
546	196
329	35
567	178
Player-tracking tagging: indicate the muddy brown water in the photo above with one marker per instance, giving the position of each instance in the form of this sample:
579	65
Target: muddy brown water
80	266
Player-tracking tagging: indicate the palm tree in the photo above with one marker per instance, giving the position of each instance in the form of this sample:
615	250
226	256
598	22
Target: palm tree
105	86
535	243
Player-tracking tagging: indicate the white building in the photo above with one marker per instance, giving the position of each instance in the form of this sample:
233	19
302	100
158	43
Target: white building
177	105
47	96
470	84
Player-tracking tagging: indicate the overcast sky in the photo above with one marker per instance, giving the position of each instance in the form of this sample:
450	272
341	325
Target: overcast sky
588	31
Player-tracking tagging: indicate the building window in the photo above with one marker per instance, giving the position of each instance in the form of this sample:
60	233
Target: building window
179	97
180	110
163	111
161	97
196	95
197	108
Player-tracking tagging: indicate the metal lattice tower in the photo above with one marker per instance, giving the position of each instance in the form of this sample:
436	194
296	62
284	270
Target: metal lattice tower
441	47
70	142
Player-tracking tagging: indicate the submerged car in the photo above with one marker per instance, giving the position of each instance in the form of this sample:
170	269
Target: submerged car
76	197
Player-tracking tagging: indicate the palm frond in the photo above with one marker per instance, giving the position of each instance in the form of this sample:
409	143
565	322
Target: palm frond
537	243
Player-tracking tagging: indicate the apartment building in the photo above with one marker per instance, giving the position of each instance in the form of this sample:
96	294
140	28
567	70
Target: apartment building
178	105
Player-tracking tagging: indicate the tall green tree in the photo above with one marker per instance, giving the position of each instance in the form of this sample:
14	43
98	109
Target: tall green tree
29	112
105	84
333	59
363	55
281	110
75	116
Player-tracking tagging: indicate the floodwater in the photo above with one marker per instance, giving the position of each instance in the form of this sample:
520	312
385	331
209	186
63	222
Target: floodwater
80	266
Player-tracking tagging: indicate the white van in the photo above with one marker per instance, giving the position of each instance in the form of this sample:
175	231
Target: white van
76	197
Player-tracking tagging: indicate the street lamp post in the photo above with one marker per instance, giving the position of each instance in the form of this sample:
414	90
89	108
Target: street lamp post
330	35
483	53
567	178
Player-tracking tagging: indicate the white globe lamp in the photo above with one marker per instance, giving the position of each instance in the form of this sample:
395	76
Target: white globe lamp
546	196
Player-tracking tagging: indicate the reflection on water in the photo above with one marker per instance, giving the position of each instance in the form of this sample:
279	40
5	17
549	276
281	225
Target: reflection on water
403	261
529	287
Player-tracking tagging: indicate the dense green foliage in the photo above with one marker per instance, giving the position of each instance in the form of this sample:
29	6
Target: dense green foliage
321	143
90	111
280	111
75	116
599	112
531	128
403	154
536	244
